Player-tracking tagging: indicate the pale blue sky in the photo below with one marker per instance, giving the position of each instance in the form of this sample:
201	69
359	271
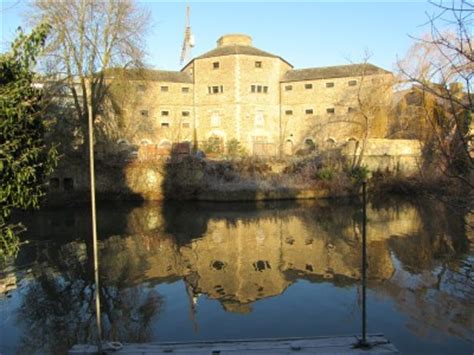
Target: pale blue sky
306	34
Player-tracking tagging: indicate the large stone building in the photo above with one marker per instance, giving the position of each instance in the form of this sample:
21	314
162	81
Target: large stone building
237	91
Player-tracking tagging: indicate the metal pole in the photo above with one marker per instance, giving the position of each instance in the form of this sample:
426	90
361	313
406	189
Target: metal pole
94	219
364	263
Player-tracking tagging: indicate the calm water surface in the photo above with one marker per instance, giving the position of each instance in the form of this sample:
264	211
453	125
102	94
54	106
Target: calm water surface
195	271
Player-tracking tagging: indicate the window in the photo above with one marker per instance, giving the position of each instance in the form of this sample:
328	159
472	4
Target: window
308	86
164	89
258	64
259	89
215	120
330	85
351	109
215	65
141	88
288	87
259	119
309	111
68	184
185	89
165	125
215	89
186	125
352	83
144	113
165	113
330	110
288	112
185	113
54	183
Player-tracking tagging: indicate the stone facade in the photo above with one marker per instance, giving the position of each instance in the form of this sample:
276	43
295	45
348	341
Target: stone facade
237	91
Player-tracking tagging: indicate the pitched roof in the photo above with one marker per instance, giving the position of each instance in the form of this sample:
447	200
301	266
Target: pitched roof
339	71
152	74
237	49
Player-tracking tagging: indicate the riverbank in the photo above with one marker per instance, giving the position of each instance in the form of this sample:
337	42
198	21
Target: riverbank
328	175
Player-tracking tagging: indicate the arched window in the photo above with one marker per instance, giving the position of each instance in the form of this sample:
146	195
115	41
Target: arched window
331	140
288	148
309	144
145	142
351	139
165	143
122	142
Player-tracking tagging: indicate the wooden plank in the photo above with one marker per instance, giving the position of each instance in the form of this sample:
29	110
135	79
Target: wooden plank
308	345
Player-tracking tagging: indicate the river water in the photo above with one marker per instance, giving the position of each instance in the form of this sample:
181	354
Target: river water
195	271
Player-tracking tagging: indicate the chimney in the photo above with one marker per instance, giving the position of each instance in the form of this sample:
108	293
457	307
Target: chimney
234	39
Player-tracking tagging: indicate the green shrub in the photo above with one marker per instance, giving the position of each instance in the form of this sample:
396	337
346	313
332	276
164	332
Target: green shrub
325	174
235	149
358	174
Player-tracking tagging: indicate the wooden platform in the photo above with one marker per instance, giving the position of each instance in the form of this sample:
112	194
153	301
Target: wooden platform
311	345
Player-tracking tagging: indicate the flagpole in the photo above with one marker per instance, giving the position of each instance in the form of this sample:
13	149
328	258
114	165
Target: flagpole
94	219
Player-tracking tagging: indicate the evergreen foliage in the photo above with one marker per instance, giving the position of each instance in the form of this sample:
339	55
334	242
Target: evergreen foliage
25	160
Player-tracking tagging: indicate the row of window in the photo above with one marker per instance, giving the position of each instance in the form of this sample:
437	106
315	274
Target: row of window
167	125
329	110
259	89
184	89
329	84
217	65
144	113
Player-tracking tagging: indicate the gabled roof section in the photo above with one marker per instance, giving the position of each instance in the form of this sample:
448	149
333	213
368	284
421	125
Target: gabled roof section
151	75
235	50
339	71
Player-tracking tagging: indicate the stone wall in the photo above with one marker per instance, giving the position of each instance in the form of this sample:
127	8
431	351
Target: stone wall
396	155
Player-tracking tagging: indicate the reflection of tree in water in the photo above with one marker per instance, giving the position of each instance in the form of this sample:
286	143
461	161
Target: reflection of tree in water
57	310
435	284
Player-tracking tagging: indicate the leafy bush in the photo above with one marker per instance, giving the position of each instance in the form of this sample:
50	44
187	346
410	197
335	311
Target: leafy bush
212	145
235	149
325	174
358	174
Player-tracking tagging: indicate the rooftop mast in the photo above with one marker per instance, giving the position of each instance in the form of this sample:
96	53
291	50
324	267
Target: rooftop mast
188	41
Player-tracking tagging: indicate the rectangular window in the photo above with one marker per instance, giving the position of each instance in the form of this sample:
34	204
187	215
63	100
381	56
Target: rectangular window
164	89
351	109
265	89
141	88
185	113
144	113
184	89
68	184
308	86
215	65
259	88
288	87
288	112
186	125
215	89
330	85
330	110
165	124
309	111
253	88
165	113
258	64
352	83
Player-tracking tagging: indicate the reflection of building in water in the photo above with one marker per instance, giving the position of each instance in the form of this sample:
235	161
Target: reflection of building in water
249	259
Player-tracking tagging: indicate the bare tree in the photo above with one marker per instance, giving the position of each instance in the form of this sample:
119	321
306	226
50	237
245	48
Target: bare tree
88	37
440	64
